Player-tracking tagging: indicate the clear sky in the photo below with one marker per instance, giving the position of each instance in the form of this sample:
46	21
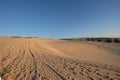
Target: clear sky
60	18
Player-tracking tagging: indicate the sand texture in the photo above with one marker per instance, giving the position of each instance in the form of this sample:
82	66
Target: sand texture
48	59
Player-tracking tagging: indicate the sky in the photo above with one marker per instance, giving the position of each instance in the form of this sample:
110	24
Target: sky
60	18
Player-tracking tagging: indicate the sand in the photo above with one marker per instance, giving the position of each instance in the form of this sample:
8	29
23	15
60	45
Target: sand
49	59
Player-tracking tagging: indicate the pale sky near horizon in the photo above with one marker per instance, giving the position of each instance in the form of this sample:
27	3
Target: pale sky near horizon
60	18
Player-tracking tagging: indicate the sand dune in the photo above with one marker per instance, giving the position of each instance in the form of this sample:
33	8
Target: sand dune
48	59
88	51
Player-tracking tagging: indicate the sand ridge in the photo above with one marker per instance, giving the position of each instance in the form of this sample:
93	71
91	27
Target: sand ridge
47	59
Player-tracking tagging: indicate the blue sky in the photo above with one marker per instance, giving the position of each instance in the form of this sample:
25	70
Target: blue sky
60	18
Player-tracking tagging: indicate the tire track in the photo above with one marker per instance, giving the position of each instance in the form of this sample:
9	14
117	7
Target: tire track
57	74
50	69
35	65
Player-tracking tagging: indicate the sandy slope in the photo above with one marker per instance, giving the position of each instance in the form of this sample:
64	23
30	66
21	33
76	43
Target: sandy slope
88	51
47	59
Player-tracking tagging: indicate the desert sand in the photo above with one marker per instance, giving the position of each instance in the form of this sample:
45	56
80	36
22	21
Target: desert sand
50	59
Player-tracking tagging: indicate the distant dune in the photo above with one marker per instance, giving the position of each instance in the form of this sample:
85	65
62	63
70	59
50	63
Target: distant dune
107	40
28	58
